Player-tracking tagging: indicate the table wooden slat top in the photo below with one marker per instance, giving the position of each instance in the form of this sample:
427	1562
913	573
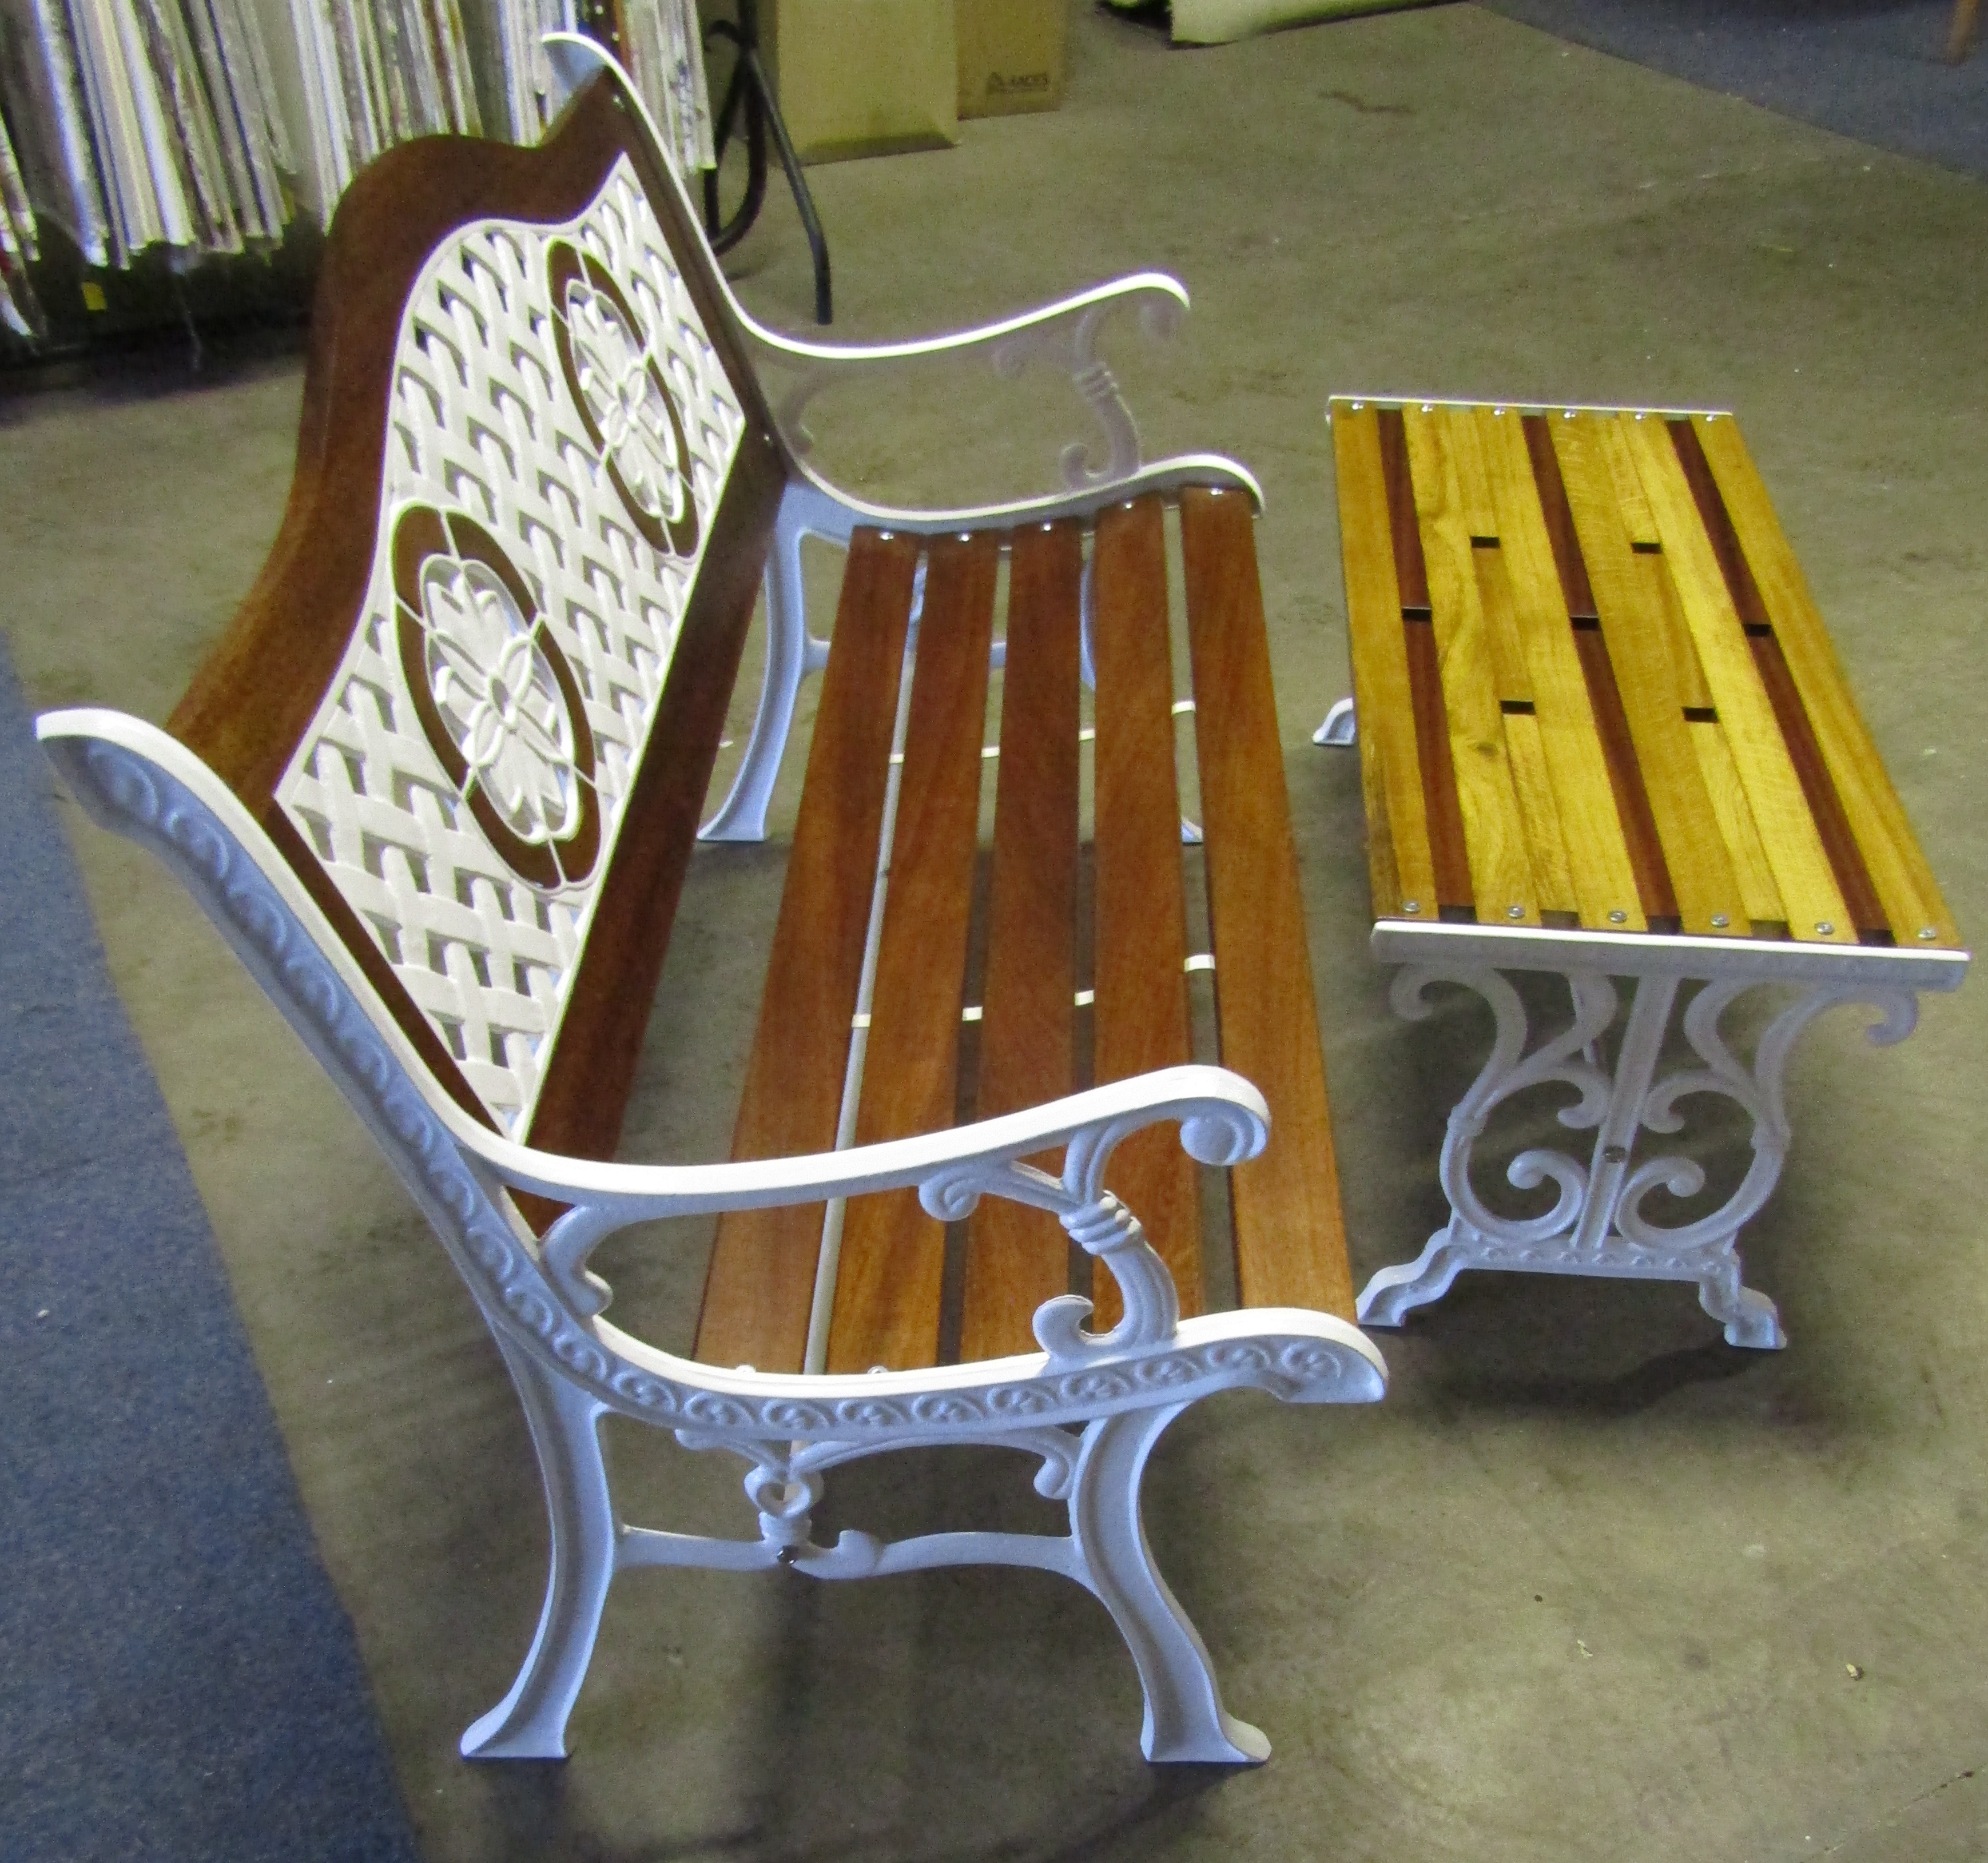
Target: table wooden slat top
1593	693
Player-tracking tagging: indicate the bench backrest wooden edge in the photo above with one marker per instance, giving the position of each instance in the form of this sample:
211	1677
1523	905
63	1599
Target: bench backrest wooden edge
251	707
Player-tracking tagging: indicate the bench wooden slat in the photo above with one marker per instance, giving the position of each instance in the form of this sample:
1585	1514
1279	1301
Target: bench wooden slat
1802	886
1494	831
1398	860
1737	828
762	1267
1017	1258
1639	637
592	1070
1600	870
1290	1239
1910	896
890	1276
1141	1017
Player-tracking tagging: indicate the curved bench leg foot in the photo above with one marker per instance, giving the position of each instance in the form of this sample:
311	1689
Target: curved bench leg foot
1185	1718
1339	727
1749	1317
1387	1299
529	1722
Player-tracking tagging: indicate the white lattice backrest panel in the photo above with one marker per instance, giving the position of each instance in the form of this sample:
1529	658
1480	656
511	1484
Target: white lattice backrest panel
560	432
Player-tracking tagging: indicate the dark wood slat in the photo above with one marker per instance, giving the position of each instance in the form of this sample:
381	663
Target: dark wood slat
592	1069
1411	573
761	1278
1290	1237
1449	860
1017	1258
893	1264
1625	780
1141	1013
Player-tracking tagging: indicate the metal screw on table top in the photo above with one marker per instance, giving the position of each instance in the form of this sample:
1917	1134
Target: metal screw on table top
1411	905
1515	912
1928	932
1618	917
1824	928
1719	921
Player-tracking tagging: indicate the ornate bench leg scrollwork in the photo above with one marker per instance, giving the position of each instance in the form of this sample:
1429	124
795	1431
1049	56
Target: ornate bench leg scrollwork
1596	1224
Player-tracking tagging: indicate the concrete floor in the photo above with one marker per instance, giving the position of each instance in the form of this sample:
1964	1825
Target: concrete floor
1590	1584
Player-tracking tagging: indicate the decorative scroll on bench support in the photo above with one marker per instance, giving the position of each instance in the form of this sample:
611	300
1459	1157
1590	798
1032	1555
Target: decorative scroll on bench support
1598	1224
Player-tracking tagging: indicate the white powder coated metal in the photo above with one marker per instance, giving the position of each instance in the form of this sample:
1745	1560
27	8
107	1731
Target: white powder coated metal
554	387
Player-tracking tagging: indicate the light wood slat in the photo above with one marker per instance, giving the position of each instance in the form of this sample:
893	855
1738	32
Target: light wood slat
1639	639
1459	428
1017	1258
1140	1019
1400	863
1751	866
1290	1238
892	1268
1603	877
1533	781
1638	519
1494	831
1910	895
1803	879
760	1283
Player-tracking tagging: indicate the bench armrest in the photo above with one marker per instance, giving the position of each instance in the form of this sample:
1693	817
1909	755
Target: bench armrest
1223	1121
1064	333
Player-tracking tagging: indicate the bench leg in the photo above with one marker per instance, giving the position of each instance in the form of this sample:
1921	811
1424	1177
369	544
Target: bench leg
529	1722
1598	1224
1340	726
791	654
1185	1718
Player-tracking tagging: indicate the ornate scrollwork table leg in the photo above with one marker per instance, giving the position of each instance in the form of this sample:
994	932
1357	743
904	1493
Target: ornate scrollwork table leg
1597	1224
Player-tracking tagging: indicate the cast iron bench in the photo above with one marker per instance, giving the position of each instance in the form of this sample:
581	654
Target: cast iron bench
440	783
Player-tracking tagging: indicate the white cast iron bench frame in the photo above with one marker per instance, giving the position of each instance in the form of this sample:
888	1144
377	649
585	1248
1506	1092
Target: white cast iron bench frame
461	668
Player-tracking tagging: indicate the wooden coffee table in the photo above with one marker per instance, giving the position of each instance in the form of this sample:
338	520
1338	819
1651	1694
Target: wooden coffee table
1602	734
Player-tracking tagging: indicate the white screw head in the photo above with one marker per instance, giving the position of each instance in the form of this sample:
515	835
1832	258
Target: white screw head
1515	912
1411	905
1824	928
1720	921
1428	407
1618	917
1928	932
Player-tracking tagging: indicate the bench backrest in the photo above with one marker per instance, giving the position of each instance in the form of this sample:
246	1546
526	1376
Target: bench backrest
475	696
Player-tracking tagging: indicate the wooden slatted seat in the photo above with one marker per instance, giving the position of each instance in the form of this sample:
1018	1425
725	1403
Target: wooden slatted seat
1604	733
441	782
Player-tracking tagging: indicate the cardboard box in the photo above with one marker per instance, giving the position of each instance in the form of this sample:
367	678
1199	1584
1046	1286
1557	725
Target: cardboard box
863	77
1010	55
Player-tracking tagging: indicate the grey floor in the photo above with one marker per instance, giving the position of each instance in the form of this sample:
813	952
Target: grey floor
1590	1584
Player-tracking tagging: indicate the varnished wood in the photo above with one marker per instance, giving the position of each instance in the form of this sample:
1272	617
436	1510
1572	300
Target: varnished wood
1140	1016
1625	783
1575	589
1800	882
1640	637
1737	828
1600	870
1533	778
762	1266
1017	1258
591	1072
1400	865
1290	1242
1501	877
1909	896
893	1262
1440	809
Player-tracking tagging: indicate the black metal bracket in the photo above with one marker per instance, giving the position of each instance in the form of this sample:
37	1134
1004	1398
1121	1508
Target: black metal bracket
750	93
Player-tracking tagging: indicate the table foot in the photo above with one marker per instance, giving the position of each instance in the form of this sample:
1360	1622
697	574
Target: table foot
1340	727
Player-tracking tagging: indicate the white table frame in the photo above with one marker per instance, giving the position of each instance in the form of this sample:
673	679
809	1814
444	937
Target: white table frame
1596	1224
